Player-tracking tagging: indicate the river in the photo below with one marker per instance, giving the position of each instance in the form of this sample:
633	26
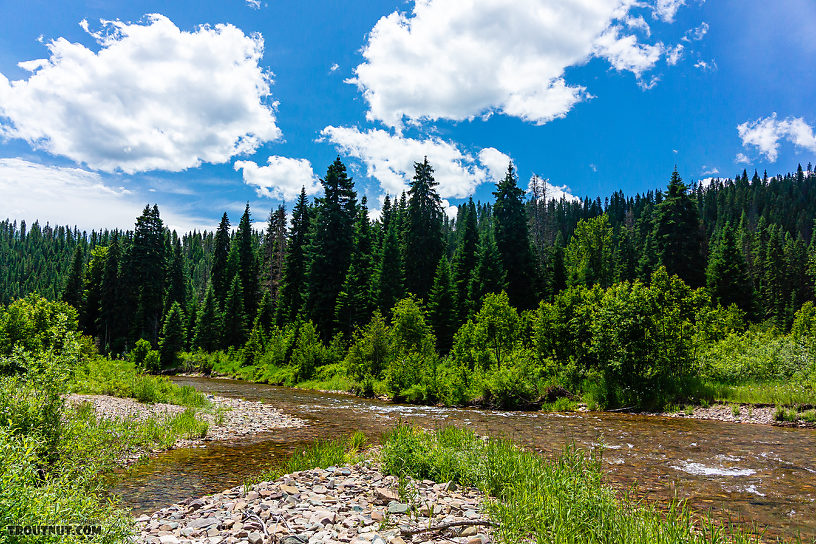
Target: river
753	473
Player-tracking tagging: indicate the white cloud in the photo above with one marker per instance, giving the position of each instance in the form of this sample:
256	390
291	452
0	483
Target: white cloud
741	158
152	97
625	53
281	178
673	54
390	160
696	33
765	134
710	170
638	23
593	167
665	10
705	182
461	60
73	196
334	67
254	4
553	192
704	66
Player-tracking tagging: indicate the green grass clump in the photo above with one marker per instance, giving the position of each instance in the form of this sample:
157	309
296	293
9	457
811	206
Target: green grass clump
321	454
100	376
783	393
562	404
538	500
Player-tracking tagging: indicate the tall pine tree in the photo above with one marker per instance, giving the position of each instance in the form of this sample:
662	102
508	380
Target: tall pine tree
292	292
423	234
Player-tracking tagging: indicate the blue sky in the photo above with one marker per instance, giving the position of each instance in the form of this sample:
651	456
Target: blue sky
203	106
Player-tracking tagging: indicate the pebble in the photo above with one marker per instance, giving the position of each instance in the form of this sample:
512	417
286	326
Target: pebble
364	509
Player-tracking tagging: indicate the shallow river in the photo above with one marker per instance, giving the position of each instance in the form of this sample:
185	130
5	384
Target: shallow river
746	472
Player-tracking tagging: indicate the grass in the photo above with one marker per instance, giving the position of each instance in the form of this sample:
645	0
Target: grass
536	500
782	393
562	404
118	378
320	454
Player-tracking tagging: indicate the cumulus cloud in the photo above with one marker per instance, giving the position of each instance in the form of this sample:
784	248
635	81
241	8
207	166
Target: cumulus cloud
638	23
665	10
552	192
765	134
73	196
281	178
461	60
710	170
390	159
741	158
153	97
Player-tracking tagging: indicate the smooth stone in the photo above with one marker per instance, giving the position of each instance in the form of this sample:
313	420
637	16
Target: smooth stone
255	538
397	507
469	531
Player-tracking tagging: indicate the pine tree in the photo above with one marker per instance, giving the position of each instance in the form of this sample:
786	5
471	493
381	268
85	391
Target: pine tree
218	273
266	312
292	290
147	267
177	281
73	290
727	274
558	268
112	319
247	263
423	234
234	316
354	302
513	242
207	335
92	294
677	234
442	306
331	247
388	283
173	336
774	297
465	260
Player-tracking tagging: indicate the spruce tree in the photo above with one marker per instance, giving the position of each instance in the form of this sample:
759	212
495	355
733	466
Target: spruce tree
274	251
727	274
388	283
266	312
234	316
177	282
173	336
677	234
354	302
442	307
112	319
423	234
247	263
221	250
207	335
558	268
74	284
147	259
330	247
290	301
92	294
465	259
774	298
489	275
513	242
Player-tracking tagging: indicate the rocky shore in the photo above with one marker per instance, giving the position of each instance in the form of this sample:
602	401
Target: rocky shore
355	504
763	415
228	419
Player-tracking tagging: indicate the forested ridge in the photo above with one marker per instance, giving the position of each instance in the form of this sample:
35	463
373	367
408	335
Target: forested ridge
743	247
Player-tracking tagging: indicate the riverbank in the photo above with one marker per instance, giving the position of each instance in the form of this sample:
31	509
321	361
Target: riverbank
745	413
225	419
357	504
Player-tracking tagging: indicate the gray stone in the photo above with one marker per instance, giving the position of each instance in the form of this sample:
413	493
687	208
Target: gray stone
395	507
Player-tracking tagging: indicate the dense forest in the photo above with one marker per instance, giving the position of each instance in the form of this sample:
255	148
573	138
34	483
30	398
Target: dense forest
745	245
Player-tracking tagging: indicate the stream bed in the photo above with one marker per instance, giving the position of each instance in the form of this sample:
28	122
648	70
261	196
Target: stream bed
750	473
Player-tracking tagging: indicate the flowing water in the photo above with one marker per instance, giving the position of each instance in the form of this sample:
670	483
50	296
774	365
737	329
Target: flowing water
753	473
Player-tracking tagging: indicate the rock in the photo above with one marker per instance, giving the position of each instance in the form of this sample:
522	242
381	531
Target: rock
384	496
290	489
469	531
168	539
395	507
396	540
255	538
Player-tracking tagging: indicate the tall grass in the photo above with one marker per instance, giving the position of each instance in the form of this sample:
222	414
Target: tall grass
537	500
781	393
119	378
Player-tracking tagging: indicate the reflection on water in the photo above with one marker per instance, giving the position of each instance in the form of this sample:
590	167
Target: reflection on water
760	473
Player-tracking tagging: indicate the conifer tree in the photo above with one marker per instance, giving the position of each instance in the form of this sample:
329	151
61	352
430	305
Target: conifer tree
727	274
207	335
290	301
423	234
330	247
465	260
173	336
147	259
677	234
513	242
388	283
74	284
177	277
266	312
558	269
489	275
92	294
442	307
774	297
274	251
247	263
221	251
354	302
112	320
234	316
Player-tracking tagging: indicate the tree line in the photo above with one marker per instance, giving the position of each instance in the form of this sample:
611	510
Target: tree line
748	242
